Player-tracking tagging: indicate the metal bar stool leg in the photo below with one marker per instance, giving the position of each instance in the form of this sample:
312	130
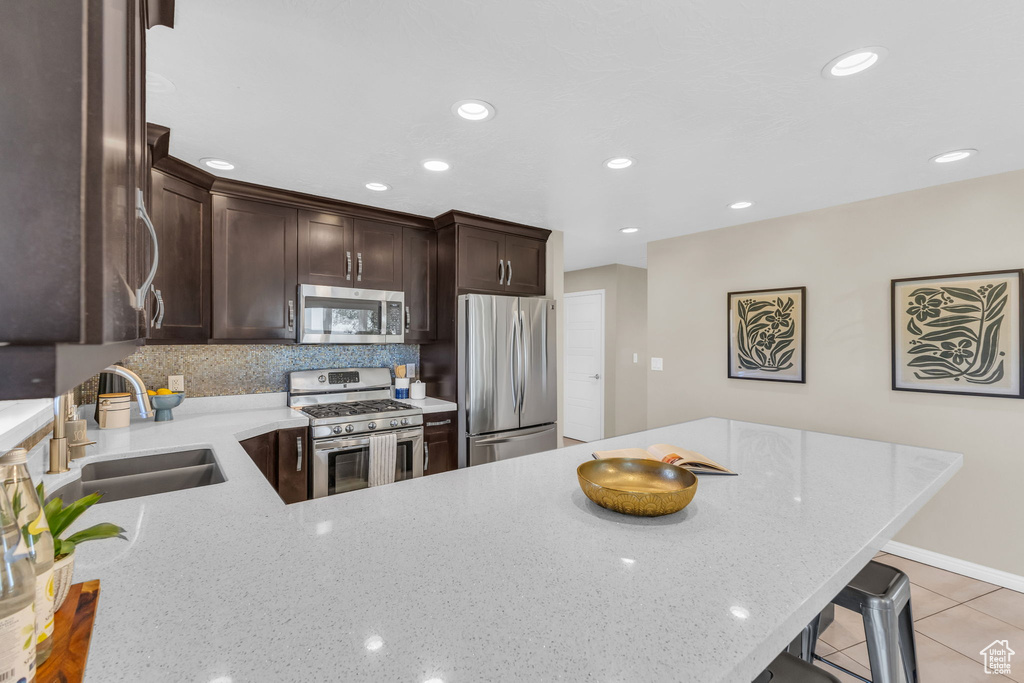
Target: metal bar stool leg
908	646
881	626
809	639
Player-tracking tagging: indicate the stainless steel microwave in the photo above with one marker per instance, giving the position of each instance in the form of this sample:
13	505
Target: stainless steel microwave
339	315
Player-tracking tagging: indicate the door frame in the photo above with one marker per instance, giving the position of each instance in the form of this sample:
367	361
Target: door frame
603	328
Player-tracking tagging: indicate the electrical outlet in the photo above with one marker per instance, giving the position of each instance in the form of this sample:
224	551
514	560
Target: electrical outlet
176	382
657	364
636	357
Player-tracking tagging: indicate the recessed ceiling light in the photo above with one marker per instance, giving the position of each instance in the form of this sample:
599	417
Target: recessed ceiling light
629	230
218	164
955	155
157	84
474	110
436	165
377	187
741	205
617	163
854	61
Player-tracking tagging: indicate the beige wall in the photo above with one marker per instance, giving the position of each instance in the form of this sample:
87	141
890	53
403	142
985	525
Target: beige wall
846	256
555	288
625	320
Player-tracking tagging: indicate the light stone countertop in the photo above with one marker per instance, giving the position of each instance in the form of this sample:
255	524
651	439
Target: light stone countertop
430	405
501	572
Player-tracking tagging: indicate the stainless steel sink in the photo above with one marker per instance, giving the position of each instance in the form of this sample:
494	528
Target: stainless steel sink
144	475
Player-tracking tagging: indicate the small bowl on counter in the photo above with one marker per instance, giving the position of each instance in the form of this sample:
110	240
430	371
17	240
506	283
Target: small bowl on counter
163	403
637	486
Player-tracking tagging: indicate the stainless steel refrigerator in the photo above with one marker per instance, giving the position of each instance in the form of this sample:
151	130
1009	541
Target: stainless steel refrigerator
507	377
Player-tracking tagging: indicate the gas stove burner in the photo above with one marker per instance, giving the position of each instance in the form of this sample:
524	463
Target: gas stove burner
353	408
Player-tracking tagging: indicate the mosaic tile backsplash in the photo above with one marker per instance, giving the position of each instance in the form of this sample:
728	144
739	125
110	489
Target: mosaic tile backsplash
232	369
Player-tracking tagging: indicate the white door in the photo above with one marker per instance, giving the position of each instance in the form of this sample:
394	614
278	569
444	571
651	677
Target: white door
584	365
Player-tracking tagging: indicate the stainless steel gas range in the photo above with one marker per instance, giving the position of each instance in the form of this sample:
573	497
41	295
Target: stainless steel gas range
346	407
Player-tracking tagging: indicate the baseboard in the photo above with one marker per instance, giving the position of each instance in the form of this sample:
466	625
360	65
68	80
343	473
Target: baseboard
957	566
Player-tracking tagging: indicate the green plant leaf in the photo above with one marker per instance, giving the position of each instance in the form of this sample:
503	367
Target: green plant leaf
933	373
987	349
927	291
789	304
996	310
741	309
996	375
758	305
950	320
754	329
760	316
64	547
64	518
784	358
912	327
747	363
954	333
97	532
962	308
923	348
995	293
787	333
962	293
760	356
932	361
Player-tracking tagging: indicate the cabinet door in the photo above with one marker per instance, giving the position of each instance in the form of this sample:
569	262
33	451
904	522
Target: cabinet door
263	451
440	447
181	215
293	464
481	260
325	250
254	274
419	278
378	253
524	265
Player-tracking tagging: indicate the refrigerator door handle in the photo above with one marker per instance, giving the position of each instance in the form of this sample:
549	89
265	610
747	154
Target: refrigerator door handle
524	363
512	370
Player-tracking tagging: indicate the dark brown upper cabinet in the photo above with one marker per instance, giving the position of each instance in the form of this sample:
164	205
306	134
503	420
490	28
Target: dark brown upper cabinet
419	263
495	262
525	260
181	216
326	250
73	148
377	250
254	270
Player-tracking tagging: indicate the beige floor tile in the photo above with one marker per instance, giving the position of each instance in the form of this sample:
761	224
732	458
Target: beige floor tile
947	584
967	631
926	603
823	648
1003	604
847	629
847	663
566	441
880	556
937	663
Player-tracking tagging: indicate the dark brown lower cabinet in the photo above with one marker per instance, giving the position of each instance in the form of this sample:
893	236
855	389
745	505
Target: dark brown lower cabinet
440	443
283	458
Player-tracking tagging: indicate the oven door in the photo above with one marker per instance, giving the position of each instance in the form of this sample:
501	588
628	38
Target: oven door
339	315
342	465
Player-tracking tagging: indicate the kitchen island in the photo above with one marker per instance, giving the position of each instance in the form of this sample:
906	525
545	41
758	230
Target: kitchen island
501	572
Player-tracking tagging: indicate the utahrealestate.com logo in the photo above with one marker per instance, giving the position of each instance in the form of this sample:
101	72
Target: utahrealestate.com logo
997	657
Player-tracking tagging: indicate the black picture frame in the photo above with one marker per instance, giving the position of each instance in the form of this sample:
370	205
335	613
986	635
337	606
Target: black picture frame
732	349
897	325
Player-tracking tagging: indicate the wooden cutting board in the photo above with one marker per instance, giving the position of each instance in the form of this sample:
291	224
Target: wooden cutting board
72	631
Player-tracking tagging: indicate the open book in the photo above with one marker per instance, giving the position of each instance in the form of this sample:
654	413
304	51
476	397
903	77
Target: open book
673	455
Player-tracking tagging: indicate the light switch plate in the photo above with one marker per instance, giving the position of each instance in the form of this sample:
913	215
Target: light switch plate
656	364
636	357
176	382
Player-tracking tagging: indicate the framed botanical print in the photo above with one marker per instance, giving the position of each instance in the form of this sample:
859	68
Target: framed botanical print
959	334
766	334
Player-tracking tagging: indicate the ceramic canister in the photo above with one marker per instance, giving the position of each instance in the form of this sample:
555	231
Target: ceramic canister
115	410
401	387
418	390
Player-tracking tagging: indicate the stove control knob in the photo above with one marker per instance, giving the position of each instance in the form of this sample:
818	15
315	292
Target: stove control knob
337	430
372	425
321	379
405	420
394	423
349	428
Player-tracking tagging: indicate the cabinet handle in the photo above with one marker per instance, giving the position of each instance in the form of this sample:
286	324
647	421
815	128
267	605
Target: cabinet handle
142	292
359	267
348	266
406	318
158	317
501	271
298	446
426	456
291	315
509	280
439	424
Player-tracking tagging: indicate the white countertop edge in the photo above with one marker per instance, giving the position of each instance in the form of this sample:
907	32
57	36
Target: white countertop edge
20	419
430	405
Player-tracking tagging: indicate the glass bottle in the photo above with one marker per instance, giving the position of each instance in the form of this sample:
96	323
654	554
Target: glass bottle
17	601
35	531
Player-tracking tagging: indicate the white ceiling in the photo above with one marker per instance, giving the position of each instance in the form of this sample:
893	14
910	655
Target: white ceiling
718	100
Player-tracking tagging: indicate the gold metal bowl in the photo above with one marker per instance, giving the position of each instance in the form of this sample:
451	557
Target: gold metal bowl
637	486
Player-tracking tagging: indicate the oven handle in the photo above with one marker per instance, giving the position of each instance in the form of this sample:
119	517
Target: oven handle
362	440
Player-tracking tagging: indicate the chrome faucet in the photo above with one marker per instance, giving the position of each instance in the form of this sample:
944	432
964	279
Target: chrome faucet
138	388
